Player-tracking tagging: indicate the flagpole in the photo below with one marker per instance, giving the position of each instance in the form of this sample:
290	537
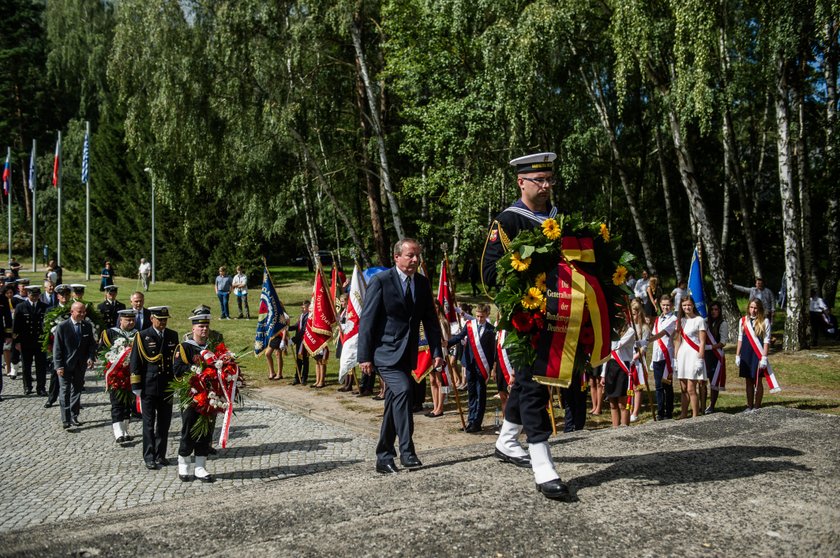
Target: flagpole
85	171
9	196
58	185
32	186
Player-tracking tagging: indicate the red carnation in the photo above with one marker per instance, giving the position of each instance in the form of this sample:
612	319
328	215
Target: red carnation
539	320
522	321
200	399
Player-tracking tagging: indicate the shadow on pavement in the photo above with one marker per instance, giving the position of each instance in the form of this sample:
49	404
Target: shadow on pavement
286	472
279	447
690	466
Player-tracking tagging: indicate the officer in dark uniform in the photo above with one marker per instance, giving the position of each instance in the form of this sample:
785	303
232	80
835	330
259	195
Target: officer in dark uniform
61	311
110	308
20	295
120	408
214	337
526	406
187	355
151	371
28	325
7	333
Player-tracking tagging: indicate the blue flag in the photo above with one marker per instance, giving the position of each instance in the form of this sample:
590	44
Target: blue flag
695	284
86	160
272	315
32	175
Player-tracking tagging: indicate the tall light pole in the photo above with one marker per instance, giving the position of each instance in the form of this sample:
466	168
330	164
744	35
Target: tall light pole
152	180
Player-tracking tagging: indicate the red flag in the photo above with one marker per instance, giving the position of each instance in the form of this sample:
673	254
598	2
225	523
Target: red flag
334	284
57	162
445	296
321	318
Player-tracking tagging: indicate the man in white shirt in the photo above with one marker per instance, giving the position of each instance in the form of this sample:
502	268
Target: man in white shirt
144	271
240	289
817	309
664	358
640	288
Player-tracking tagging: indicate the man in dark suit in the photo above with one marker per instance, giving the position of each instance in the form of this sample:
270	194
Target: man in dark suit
478	359
144	317
301	354
151	371
74	350
28	324
396	302
110	308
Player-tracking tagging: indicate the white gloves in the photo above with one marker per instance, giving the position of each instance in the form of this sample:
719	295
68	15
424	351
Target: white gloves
737	360
698	366
763	362
641	343
282	346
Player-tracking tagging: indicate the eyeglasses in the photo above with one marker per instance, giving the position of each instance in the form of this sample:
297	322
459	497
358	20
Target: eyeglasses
541	181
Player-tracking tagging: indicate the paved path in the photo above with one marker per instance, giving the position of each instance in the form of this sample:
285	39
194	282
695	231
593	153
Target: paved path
50	474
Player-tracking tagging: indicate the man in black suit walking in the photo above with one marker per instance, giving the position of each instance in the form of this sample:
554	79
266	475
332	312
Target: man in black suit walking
151	366
396	302
479	357
74	350
144	317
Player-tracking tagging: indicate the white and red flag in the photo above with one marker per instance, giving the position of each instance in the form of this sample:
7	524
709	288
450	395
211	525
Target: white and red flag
350	327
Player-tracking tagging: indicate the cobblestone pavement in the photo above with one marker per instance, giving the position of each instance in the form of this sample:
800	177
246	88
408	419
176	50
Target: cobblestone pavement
51	474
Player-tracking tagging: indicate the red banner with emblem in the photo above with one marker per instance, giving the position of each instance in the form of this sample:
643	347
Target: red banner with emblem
319	325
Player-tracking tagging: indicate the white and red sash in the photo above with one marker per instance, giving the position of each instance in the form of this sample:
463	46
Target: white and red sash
718	380
688	340
478	351
668	372
769	375
502	357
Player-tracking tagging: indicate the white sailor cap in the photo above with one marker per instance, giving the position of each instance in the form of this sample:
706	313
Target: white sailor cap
160	312
536	162
77	288
127	313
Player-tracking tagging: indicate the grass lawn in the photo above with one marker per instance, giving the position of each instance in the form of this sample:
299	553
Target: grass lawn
810	379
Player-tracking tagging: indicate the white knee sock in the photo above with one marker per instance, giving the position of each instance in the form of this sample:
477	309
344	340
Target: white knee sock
507	442
541	463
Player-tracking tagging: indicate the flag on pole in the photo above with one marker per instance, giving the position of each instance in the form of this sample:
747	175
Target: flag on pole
86	160
322	317
350	328
32	176
695	284
272	315
446	297
7	173
57	163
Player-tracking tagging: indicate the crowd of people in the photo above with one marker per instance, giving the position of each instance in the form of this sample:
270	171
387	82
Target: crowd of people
53	338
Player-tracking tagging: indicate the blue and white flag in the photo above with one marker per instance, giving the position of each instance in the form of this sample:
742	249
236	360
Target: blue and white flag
32	176
695	284
272	315
86	160
7	173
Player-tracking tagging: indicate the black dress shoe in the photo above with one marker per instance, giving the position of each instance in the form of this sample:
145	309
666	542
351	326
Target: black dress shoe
524	462
65	425
208	478
212	451
120	440
554	489
410	462
162	461
47	405
365	393
75	422
473	428
386	468
185	478
151	465
28	392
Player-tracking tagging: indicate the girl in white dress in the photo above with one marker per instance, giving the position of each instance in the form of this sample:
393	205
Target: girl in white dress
690	343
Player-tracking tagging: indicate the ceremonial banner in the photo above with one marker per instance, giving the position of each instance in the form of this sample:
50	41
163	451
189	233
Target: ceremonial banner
334	286
350	345
33	178
445	296
271	319
424	358
7	173
319	325
695	284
